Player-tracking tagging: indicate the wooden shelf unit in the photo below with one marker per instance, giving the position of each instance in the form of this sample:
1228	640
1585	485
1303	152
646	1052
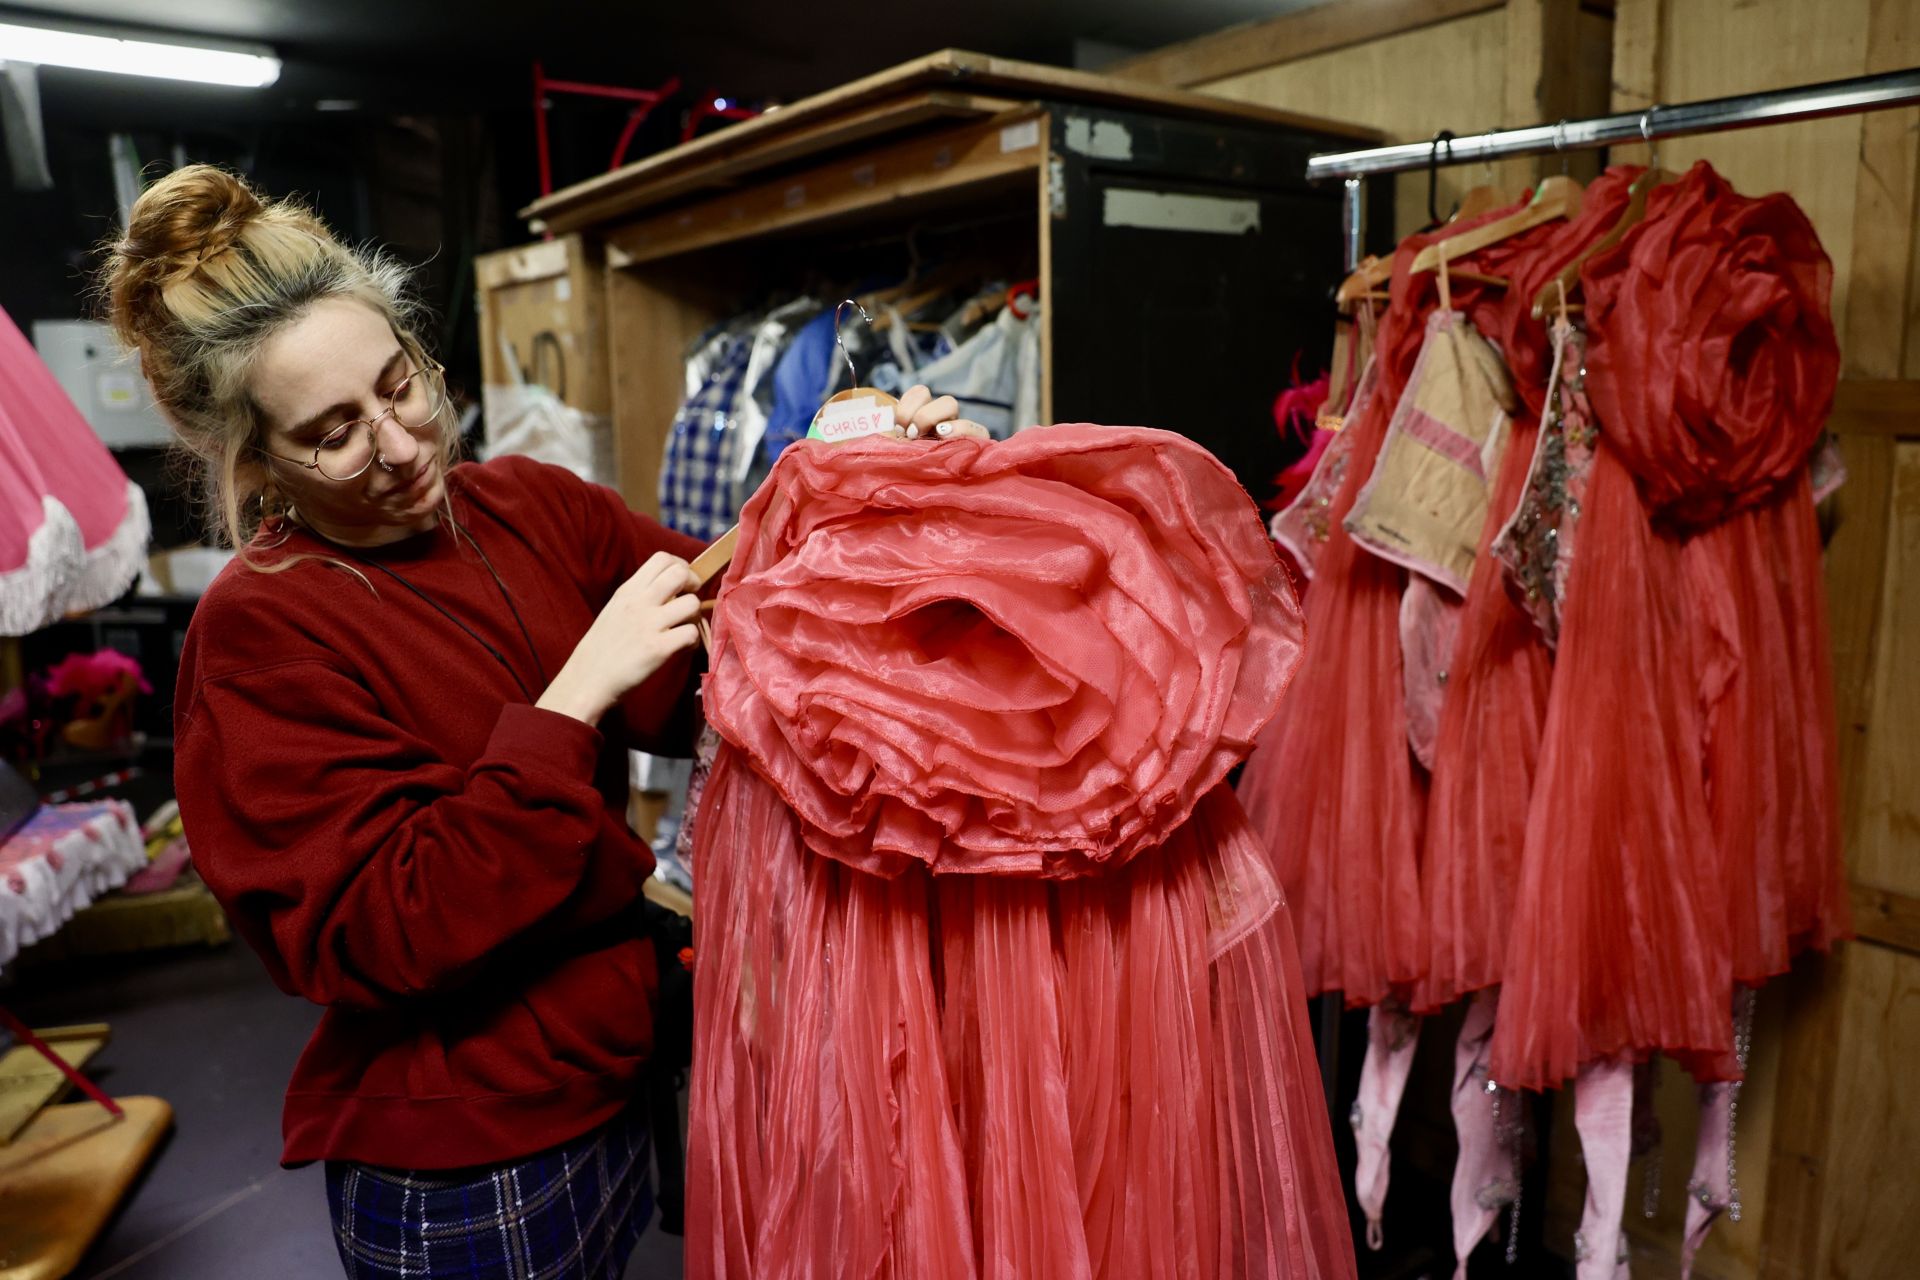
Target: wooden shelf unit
1185	316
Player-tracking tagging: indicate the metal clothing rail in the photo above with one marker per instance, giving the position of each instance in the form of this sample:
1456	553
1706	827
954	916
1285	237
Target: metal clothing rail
1809	102
1778	106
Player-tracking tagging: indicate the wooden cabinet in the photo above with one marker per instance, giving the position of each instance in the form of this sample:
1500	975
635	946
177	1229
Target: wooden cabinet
543	307
1181	256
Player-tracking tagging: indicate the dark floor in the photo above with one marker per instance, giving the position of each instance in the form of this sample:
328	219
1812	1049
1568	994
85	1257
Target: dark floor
208	1032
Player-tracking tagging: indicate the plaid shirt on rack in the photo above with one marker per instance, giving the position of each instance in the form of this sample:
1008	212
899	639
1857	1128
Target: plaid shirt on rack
699	492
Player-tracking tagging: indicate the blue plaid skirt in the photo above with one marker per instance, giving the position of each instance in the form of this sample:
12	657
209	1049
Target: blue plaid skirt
572	1213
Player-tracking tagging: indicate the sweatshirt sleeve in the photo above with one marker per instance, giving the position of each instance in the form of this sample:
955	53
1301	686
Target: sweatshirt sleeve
366	870
606	543
609	542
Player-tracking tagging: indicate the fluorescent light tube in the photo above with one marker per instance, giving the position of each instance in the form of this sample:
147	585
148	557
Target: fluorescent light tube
197	63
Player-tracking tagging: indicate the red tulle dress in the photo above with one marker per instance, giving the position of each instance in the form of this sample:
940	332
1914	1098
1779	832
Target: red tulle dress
1685	787
1501	671
1333	789
993	978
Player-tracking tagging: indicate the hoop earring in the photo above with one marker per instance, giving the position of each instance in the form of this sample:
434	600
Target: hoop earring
276	518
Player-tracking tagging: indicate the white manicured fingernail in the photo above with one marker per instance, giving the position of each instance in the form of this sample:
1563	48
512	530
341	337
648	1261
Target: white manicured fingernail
945	428
913	433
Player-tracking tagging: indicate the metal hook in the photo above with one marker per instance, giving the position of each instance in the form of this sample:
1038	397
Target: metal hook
853	378
1433	172
1646	136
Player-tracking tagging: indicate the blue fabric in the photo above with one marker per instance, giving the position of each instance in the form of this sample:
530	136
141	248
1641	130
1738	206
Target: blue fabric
699	494
572	1213
800	382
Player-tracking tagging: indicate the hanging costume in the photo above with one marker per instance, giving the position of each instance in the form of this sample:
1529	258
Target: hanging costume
995	980
1621	830
1694	615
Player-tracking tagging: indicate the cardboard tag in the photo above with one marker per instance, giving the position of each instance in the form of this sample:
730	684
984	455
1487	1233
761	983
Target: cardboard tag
845	420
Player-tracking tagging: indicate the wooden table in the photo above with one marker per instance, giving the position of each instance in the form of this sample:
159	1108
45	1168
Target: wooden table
64	1175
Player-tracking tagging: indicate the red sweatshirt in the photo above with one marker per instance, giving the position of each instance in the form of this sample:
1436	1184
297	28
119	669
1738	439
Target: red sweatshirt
408	842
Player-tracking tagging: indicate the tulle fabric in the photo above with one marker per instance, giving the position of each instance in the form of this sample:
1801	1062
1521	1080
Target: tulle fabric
1771	757
1486	748
1654	840
1613	948
1501	671
1713	354
949	1025
1332	789
1099	608
1747	411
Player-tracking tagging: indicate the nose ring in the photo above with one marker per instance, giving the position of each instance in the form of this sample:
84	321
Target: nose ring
382	460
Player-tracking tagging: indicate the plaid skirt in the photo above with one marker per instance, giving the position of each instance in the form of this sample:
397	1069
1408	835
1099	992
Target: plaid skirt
572	1213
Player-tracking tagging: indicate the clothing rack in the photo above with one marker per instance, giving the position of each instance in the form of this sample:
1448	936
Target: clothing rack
1717	115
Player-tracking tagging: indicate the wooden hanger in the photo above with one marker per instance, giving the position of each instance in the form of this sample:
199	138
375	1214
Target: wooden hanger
1557	197
706	566
1365	281
1568	278
907	308
1340	371
1479	200
715	558
1333	414
920	288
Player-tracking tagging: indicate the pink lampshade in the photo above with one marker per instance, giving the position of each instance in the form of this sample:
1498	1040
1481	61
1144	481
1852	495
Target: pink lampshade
73	528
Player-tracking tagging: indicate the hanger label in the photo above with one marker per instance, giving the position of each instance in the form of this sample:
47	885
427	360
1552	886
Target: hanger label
845	420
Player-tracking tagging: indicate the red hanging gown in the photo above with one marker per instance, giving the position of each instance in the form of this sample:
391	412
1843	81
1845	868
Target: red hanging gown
1711	367
1332	788
993	979
1501	670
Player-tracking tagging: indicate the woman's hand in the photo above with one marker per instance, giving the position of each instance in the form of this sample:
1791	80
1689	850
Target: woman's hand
920	416
648	621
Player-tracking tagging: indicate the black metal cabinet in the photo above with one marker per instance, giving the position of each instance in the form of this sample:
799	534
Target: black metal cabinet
1191	266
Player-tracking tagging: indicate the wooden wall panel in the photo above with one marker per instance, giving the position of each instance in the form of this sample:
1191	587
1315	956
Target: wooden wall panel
1713	48
653	317
1872	1222
1510	64
1288	37
1449	76
1884	854
551	287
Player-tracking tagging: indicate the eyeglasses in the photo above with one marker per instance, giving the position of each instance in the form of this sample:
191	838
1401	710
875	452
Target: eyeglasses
351	448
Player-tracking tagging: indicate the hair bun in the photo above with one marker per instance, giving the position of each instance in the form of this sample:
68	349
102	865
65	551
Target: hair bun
188	216
177	224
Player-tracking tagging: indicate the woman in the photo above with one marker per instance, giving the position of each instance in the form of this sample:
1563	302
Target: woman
401	729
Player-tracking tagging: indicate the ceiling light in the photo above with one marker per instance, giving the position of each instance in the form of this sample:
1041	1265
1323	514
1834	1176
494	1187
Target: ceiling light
198	63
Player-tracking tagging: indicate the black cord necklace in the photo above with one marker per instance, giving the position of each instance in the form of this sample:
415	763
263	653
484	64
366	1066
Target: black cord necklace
478	639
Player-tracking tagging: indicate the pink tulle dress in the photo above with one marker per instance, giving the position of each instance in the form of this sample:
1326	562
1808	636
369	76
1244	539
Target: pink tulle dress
993	980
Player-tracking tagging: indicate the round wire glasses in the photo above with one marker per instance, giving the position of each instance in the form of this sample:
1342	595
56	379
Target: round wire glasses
349	449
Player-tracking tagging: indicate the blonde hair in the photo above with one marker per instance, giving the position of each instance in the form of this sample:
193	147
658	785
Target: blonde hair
206	273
